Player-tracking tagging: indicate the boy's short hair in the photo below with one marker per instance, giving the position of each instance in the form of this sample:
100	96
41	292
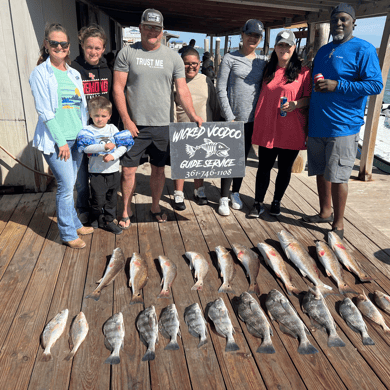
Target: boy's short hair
100	103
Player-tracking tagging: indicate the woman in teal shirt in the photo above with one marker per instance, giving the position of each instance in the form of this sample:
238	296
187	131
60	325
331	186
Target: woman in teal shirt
62	111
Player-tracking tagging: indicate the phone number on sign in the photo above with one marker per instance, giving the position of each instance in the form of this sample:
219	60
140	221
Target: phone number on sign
195	174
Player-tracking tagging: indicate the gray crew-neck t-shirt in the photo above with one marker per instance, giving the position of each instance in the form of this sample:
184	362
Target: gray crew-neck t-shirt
149	88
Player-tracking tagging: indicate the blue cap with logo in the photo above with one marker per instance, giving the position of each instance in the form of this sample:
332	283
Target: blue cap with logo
253	26
344	7
286	36
153	17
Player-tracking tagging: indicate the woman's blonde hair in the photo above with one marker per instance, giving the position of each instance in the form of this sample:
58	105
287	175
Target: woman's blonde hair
49	28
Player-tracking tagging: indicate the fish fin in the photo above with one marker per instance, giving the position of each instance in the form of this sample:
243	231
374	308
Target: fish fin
163	331
207	141
164	294
197	286
352	327
334	340
305	348
94	295
192	332
270	315
113	359
254	288
99	281
326	290
190	150
285	330
367	340
172	346
129	282
46	356
292	289
231	346
69	356
208	154
365	278
253	331
136	299
108	345
317	325
202	342
266	347
303	273
344	289
226	288
386	328
328	273
149	355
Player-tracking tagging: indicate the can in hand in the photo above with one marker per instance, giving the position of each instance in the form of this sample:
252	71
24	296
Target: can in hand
317	77
283	100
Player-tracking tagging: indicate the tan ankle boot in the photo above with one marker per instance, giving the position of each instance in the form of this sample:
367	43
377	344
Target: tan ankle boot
84	230
78	243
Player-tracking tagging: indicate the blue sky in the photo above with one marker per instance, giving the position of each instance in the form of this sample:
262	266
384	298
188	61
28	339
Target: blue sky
370	29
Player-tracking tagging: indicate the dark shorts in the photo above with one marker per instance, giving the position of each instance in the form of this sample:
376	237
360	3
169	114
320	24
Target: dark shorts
333	157
153	140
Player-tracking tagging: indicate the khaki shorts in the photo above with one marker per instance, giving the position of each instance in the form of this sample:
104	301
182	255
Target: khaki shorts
333	157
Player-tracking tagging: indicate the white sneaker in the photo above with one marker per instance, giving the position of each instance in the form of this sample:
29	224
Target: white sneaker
223	208
179	200
236	201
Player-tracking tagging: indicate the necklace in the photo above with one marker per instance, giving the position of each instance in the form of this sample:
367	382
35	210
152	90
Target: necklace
335	48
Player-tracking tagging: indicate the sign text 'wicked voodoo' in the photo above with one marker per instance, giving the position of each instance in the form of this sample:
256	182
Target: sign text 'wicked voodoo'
214	150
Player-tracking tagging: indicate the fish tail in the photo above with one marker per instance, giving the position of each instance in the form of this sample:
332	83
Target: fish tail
266	347
164	294
190	150
326	290
197	286
226	288
46	355
334	340
386	328
305	348
136	299
94	295
292	289
202	342
367	340
231	345
113	359
344	289
365	278
254	288
172	346
70	355
149	355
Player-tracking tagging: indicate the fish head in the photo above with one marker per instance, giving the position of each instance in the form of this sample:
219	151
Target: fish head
347	302
334	239
117	318
245	297
221	250
379	294
221	150
219	304
361	298
285	238
315	291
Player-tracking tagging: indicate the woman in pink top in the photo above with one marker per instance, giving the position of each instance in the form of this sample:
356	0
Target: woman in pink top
280	136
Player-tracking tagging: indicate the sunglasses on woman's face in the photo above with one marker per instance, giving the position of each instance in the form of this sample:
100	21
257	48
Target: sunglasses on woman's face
64	44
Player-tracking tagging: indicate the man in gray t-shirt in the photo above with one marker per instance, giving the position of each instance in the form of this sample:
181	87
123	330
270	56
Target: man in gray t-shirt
147	70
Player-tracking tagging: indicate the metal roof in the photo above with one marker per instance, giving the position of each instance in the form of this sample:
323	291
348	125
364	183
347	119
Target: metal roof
226	17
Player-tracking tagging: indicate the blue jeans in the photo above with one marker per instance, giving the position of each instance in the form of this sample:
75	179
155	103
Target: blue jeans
82	186
65	174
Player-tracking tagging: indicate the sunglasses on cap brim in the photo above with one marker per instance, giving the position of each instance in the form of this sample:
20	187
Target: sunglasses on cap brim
64	44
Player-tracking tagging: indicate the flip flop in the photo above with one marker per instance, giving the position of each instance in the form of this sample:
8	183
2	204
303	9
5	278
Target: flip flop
339	232
317	219
125	219
159	214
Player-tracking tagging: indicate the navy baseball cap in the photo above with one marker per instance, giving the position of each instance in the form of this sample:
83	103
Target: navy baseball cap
153	17
344	7
253	26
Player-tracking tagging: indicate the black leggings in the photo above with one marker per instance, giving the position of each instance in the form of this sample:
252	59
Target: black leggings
237	181
267	157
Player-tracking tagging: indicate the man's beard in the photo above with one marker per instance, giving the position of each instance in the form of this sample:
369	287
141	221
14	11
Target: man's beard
338	37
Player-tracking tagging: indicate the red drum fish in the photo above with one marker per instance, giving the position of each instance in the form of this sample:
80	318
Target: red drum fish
210	147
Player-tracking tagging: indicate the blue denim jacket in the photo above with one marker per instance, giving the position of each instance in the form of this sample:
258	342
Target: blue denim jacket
44	89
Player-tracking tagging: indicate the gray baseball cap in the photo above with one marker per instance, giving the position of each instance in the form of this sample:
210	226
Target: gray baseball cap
153	17
286	36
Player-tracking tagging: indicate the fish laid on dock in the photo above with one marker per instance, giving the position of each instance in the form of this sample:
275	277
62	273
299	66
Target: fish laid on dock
382	300
196	323
52	332
298	254
116	264
352	316
369	310
226	265
78	333
314	306
256	322
277	264
201	267
169	326
138	277
332	266
147	326
251	262
169	271
114	333
218	313
280	309
337	244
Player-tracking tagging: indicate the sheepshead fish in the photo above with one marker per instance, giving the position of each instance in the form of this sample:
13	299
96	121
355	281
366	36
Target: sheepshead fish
352	316
280	309
147	326
218	313
196	323
337	244
169	271
251	262
116	264
210	147
201	266
169	326
332	267
382	300
314	306
78	333
114	333
368	309
138	277
298	254
277	264
52	332
226	265
256	322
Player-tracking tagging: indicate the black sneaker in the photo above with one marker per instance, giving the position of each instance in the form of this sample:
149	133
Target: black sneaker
178	201
200	196
275	208
113	228
257	210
